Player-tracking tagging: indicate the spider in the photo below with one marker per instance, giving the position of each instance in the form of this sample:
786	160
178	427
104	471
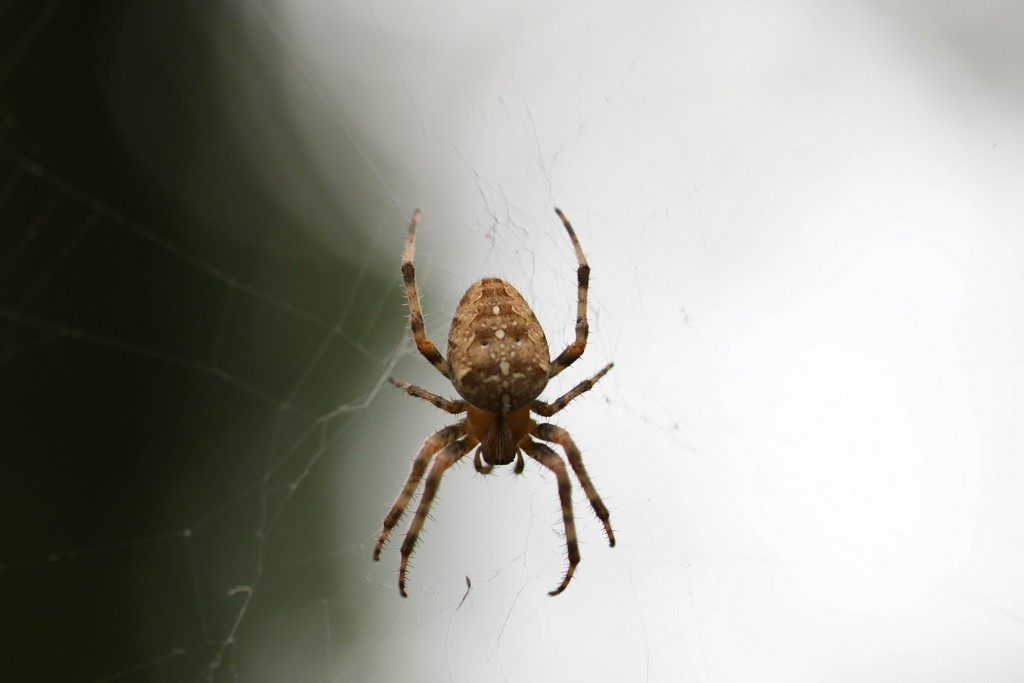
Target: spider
498	363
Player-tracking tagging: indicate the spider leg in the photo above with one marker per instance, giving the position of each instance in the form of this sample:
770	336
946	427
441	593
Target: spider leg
445	459
549	409
448	405
553	434
433	444
547	457
575	349
479	465
419	333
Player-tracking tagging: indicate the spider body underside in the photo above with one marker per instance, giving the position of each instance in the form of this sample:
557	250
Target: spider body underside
498	363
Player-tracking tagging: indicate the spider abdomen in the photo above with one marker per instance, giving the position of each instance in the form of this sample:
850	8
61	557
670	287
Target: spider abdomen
496	348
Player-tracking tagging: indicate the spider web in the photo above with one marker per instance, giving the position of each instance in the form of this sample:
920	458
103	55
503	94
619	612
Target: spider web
177	383
806	271
195	348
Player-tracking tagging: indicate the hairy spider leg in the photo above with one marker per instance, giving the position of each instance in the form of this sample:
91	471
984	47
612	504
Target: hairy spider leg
448	456
549	409
446	404
576	348
432	445
419	333
553	434
547	457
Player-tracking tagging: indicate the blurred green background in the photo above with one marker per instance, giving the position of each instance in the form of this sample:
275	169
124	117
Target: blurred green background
182	304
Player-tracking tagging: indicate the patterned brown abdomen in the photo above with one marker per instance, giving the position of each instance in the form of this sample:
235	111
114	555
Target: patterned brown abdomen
496	348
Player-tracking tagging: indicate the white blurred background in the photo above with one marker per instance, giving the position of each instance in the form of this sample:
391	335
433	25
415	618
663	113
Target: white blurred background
806	233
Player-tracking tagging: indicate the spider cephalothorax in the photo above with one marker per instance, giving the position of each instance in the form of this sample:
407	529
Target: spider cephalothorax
498	363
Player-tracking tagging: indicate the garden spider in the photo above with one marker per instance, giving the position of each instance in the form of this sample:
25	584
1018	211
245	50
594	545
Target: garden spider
498	363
